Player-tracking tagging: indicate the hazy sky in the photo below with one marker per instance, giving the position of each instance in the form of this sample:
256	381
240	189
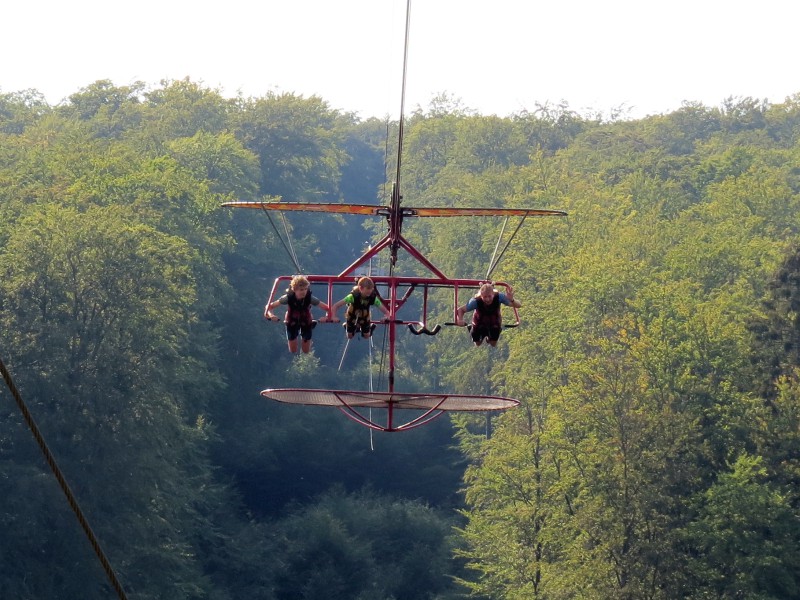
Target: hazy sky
498	57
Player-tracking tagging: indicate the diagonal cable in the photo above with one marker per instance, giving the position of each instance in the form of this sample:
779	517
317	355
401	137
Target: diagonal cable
283	243
73	502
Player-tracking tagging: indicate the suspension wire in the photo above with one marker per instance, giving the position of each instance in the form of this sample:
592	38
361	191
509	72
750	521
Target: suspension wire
397	188
371	389
384	341
488	430
291	247
73	502
382	364
380	372
508	243
384	195
496	246
344	353
403	97
278	233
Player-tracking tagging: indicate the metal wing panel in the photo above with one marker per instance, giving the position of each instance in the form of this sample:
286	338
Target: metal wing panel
350	209
374	210
395	400
482	212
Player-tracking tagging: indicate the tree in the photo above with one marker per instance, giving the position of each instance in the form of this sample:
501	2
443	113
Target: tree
20	109
297	141
746	537
362	546
96	312
777	332
112	111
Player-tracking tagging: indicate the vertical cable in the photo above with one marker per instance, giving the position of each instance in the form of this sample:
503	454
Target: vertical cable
403	97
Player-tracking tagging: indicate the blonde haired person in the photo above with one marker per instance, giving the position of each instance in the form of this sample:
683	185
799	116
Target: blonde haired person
486	318
359	300
298	300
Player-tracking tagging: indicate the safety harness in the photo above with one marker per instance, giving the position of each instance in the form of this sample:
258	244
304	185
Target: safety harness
487	315
358	311
298	313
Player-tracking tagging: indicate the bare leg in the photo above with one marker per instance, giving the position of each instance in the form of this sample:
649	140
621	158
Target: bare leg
293	345
306	346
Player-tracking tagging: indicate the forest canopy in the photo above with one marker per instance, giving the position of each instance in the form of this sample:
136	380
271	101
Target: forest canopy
656	450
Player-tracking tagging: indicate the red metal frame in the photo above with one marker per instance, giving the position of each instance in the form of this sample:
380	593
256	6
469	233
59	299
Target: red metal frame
422	419
393	241
395	300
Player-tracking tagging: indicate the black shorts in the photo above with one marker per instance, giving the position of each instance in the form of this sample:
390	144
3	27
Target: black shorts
292	331
364	326
482	331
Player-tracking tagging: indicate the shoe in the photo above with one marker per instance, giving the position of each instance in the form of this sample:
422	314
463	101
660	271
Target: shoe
314	324
372	328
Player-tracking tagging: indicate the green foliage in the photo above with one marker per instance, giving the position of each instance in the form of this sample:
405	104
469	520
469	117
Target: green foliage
745	537
777	330
298	143
104	281
96	315
220	160
634	365
778	437
19	110
362	546
654	454
181	108
109	111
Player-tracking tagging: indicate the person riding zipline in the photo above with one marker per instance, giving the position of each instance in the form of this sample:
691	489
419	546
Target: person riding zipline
298	300
359	300
487	321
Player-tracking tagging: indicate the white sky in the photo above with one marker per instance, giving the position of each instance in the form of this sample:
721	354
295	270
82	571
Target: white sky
497	56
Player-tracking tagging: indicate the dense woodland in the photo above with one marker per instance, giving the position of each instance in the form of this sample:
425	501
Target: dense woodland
656	452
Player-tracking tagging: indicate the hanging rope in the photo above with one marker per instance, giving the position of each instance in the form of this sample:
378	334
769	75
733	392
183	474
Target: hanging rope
371	389
73	502
292	253
344	353
496	246
494	262
283	243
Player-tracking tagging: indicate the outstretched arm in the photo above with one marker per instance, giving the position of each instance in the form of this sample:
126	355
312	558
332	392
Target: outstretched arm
327	310
336	306
268	314
460	311
511	300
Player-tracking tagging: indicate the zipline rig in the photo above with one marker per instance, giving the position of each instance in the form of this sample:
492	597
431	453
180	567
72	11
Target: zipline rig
397	290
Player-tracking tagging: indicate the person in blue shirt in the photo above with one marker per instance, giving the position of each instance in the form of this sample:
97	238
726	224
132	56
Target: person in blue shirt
486	318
